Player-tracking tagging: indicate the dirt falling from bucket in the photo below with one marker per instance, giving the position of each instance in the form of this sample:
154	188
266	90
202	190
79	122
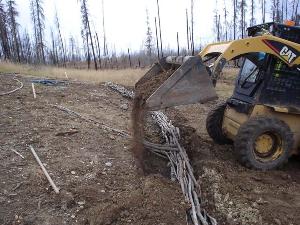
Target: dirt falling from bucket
143	90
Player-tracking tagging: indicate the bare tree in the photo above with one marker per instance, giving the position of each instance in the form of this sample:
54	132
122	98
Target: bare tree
178	47
38	18
187	31
226	22
105	50
263	10
243	9
61	43
192	27
217	22
86	48
295	14
159	25
252	19
157	41
4	32
13	25
275	7
149	38
87	28
98	47
27	47
234	18
53	54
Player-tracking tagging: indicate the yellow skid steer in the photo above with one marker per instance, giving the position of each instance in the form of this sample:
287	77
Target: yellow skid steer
262	117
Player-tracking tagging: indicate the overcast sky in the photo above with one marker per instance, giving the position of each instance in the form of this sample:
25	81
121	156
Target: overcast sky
125	20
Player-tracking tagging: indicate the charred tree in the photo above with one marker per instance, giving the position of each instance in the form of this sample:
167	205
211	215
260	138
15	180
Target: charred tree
14	28
87	29
217	23
187	31
105	51
157	41
27	48
243	9
149	37
178	49
275	7
234	18
61	43
129	58
38	19
98	47
159	26
252	18
226	22
4	32
296	15
192	27
263	10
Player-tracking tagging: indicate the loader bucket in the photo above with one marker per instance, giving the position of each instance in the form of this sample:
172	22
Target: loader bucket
190	83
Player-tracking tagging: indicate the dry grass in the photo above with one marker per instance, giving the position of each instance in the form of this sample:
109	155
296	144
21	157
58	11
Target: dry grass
229	73
125	76
224	90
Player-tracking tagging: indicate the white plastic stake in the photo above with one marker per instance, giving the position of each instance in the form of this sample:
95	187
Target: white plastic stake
33	90
55	188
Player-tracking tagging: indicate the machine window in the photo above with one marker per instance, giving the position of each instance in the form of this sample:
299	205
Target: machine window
249	72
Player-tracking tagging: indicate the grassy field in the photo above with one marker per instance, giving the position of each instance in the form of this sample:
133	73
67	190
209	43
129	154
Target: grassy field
124	76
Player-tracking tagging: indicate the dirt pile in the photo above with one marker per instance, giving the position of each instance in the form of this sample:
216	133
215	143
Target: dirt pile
137	208
143	90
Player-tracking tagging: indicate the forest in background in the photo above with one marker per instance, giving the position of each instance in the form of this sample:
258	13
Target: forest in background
20	46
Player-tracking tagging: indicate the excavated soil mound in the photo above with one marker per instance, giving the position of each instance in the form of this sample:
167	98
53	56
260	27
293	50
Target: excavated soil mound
153	193
143	90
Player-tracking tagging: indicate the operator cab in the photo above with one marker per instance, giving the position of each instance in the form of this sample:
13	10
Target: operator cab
266	79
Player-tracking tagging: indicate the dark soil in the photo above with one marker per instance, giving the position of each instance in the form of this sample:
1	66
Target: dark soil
93	167
95	171
143	90
234	194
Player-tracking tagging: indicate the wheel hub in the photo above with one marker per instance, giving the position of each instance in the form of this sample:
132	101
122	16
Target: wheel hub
264	143
268	146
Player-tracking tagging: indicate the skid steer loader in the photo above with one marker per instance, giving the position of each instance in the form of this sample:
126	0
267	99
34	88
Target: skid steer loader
262	117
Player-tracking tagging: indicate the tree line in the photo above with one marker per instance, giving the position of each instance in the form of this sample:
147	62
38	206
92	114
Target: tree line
245	13
93	52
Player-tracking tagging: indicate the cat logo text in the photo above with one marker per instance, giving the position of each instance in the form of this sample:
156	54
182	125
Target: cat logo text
287	54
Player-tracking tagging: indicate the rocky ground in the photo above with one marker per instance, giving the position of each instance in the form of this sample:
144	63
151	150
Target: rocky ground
94	168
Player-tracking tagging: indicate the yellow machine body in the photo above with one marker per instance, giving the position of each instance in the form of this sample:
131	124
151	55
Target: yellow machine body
233	120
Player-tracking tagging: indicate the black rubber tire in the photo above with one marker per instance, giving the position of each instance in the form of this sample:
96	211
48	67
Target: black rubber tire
253	128
214	123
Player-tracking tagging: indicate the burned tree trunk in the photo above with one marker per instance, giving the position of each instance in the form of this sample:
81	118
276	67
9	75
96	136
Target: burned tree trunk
13	25
4	32
87	29
159	25
62	47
